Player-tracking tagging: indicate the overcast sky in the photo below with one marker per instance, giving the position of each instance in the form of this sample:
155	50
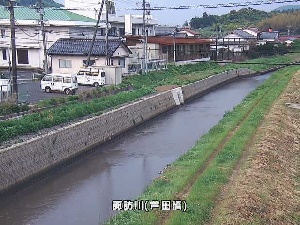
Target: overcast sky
177	17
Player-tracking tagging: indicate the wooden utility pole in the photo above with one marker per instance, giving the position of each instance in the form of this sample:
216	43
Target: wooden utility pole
144	37
95	34
106	32
41	12
13	50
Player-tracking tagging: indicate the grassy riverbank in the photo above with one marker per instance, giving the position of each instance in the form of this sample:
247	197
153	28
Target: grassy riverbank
198	175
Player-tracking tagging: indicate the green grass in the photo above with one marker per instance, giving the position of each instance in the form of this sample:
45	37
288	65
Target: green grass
204	192
71	108
57	115
174	75
201	199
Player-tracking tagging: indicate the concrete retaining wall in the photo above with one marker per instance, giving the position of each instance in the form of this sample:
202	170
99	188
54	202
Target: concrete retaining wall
21	162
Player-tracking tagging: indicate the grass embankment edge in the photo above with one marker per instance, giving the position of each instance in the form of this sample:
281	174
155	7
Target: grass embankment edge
181	172
201	199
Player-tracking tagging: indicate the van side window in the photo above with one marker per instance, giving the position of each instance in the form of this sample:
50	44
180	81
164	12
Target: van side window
94	74
102	74
47	78
80	73
88	73
57	79
67	79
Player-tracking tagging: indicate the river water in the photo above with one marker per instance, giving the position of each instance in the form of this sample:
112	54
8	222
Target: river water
82	193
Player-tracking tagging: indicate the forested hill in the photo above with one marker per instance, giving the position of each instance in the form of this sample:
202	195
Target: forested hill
235	19
47	3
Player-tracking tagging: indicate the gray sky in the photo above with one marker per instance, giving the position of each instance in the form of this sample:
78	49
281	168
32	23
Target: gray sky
177	17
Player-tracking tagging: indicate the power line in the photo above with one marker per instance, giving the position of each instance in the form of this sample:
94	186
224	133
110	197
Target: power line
187	7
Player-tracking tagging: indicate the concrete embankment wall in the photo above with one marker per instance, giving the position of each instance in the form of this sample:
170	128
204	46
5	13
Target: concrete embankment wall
22	162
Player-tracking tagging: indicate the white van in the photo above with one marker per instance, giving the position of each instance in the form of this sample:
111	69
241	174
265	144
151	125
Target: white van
66	83
91	76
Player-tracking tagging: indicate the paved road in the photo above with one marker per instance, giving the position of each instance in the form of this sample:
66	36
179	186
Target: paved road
30	90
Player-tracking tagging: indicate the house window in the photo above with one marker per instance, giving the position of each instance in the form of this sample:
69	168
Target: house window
102	31
133	31
112	62
91	62
22	56
164	49
122	31
121	62
4	55
65	63
2	33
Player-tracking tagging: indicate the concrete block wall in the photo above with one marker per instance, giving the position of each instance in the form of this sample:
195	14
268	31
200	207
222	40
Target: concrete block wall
200	87
21	162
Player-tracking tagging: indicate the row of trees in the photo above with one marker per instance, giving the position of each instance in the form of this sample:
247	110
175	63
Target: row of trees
234	19
283	22
280	21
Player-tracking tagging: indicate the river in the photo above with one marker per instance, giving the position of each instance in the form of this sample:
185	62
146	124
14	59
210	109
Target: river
82	192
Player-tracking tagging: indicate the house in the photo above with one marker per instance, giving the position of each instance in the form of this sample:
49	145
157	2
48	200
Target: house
164	30
268	37
238	41
68	55
189	33
59	23
234	44
120	25
162	48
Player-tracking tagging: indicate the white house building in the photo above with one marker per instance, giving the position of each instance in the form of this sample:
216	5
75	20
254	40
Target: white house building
58	24
68	55
120	25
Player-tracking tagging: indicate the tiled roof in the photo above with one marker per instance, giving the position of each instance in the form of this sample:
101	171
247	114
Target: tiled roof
26	13
169	40
70	46
269	35
190	31
244	34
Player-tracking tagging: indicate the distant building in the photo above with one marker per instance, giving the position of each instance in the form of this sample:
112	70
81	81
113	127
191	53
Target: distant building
268	37
162	48
120	25
189	33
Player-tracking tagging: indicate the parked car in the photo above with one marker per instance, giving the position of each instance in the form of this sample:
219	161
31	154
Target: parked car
66	83
91	76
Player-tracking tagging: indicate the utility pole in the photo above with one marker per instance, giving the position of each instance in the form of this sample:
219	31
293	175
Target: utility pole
106	32
41	11
289	30
95	34
13	50
144	37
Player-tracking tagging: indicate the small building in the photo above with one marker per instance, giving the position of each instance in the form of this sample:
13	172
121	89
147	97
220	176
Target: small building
170	48
68	55
268	37
189	32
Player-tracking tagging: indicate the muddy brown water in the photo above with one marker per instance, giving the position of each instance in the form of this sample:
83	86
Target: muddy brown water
82	193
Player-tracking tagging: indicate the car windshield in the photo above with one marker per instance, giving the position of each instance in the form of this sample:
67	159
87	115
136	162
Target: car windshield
47	78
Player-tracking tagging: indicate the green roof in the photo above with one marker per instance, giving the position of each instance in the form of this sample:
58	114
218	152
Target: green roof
26	13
